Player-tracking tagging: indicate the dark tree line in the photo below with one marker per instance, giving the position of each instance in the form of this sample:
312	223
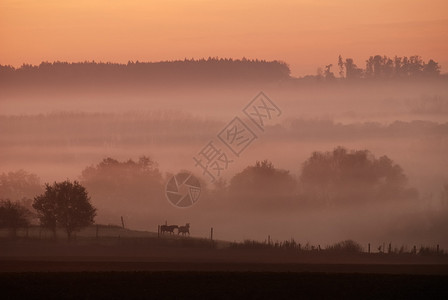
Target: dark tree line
384	67
211	70
188	70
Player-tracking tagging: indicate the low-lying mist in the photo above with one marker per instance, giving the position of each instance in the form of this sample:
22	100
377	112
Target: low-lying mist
58	137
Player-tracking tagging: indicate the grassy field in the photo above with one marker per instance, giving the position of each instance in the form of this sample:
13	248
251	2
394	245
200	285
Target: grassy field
115	244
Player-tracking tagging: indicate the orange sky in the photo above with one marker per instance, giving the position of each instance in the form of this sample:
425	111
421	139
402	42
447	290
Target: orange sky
305	33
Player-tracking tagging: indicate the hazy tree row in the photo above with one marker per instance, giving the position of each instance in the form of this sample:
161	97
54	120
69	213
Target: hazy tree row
335	178
92	129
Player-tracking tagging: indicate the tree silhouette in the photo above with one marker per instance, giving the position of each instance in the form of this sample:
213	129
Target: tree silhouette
262	184
20	186
65	204
341	66
379	67
343	176
400	67
123	187
351	69
431	69
327	73
13	215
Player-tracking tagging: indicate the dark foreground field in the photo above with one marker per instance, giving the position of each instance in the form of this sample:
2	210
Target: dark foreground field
126	279
178	268
220	285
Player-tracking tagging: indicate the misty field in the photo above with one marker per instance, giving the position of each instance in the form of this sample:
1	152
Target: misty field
63	133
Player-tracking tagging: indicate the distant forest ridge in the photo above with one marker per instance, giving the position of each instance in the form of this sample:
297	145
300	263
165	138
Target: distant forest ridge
215	69
212	69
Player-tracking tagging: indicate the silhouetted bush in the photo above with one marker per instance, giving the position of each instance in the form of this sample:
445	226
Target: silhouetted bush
348	246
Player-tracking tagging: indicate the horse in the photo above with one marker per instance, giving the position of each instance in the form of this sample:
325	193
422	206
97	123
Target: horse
168	228
184	229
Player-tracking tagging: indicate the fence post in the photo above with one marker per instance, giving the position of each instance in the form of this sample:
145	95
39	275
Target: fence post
211	234
158	231
122	222
369	248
